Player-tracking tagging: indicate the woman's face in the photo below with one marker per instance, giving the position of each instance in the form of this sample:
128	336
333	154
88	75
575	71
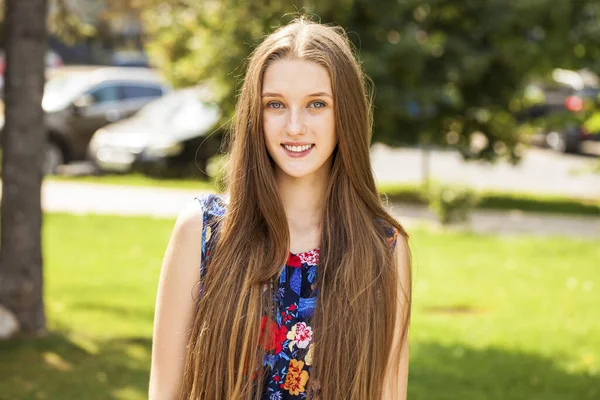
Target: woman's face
298	119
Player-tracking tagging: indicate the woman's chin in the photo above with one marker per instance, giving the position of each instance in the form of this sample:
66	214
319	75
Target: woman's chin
295	172
300	169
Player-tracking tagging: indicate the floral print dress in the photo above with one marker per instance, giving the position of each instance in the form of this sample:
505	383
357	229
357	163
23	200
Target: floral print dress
289	357
290	336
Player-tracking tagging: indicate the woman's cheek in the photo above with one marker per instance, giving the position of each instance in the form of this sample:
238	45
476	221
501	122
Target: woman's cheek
273	122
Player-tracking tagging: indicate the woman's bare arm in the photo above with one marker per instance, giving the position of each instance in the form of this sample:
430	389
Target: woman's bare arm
396	378
175	306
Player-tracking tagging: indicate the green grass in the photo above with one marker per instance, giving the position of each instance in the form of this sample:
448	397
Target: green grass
494	318
137	179
505	318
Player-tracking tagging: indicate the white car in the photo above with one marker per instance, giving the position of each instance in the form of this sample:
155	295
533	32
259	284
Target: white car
172	133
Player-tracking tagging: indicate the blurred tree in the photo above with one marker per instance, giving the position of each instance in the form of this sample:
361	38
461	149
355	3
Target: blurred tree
63	20
22	142
446	70
25	35
70	19
443	70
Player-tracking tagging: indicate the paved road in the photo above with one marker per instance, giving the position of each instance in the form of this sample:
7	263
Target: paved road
83	198
540	171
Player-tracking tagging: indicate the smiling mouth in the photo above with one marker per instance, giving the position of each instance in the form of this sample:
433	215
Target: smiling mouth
298	151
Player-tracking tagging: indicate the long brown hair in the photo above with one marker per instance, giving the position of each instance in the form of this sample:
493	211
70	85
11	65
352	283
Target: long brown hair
357	280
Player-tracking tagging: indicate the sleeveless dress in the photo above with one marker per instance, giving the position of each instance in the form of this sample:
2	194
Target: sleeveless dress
289	338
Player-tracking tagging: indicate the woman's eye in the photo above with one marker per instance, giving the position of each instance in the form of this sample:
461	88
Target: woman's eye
317	104
275	104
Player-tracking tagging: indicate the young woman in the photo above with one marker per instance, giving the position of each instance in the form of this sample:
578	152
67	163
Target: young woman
296	284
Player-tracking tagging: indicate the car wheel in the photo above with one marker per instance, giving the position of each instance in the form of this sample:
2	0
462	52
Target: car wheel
53	158
565	142
572	140
556	141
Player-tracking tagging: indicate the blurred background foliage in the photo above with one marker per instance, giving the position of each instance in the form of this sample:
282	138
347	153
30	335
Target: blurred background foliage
442	70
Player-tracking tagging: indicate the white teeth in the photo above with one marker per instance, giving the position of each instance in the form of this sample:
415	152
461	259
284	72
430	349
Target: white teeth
298	149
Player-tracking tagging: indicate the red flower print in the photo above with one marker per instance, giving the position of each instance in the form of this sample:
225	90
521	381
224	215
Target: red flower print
300	334
294	261
303	334
310	257
275	335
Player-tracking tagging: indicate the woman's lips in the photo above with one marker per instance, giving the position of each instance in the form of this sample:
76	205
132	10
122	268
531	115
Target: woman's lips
298	154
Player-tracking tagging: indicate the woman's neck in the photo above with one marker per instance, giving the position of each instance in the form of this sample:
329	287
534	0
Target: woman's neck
303	200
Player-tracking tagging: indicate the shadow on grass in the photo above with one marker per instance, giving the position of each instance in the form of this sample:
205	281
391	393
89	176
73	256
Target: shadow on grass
457	372
60	367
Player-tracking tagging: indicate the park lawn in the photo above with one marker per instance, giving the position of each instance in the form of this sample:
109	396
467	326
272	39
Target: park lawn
137	179
494	318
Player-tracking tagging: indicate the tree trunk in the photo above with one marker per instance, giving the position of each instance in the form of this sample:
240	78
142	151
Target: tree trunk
23	143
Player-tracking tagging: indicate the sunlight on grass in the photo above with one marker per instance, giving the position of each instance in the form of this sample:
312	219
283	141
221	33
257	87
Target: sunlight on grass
137	179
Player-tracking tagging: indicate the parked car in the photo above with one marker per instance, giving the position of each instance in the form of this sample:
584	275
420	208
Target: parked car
81	99
568	108
172	136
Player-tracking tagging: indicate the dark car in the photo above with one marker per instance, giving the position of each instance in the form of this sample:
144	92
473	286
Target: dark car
578	121
172	136
80	100
568	111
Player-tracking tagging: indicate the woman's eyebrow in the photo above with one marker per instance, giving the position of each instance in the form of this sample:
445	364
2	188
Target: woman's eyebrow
318	94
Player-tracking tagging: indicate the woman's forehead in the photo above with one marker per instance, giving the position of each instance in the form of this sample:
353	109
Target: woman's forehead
290	77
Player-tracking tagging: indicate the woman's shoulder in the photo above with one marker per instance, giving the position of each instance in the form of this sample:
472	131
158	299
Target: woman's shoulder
212	205
201	211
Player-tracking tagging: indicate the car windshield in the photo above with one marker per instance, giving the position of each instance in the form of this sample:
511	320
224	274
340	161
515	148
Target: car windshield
195	114
183	112
162	109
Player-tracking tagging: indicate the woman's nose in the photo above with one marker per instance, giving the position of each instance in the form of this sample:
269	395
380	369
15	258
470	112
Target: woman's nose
295	125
